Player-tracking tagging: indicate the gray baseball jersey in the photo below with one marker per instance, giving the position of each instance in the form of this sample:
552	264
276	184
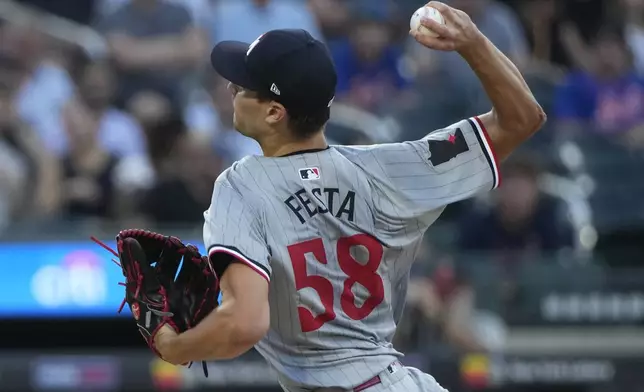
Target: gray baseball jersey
335	232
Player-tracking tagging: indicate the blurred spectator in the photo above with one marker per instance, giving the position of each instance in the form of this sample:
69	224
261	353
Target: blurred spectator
156	46
441	311
186	171
149	108
118	132
25	162
540	20
602	110
245	20
88	168
521	222
333	16
559	31
369	65
611	95
43	84
579	23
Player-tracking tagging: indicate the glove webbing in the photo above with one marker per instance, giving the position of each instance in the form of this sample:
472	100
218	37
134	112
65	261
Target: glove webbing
204	364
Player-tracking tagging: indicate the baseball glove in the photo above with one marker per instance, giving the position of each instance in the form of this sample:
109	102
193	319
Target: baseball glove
166	282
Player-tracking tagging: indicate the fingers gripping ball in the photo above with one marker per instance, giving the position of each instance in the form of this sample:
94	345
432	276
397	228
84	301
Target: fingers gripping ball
429	13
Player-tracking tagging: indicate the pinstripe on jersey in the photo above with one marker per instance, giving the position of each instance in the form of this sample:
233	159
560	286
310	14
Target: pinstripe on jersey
337	243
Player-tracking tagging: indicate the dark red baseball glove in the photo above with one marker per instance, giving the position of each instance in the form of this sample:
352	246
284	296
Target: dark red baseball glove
166	282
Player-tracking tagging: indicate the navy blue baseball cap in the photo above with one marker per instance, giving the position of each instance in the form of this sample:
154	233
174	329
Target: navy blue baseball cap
290	66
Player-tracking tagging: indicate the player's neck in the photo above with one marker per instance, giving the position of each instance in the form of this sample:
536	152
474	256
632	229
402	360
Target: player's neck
277	147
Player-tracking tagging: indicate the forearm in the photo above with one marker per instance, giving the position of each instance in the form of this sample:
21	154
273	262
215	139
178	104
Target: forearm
218	336
515	107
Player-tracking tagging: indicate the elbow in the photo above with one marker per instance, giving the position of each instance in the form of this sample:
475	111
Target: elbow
532	118
525	121
539	118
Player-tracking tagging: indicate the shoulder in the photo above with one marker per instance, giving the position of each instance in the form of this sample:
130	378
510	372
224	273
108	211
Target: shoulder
367	156
241	170
238	180
374	160
361	154
355	151
225	179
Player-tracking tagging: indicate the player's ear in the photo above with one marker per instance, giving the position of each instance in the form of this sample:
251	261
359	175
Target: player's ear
275	113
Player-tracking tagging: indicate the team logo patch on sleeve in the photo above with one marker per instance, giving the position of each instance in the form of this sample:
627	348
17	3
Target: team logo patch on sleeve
442	151
310	173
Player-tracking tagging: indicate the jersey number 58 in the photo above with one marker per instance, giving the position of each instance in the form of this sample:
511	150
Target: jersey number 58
366	274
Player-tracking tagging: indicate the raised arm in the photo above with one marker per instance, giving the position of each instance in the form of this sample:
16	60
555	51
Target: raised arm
516	115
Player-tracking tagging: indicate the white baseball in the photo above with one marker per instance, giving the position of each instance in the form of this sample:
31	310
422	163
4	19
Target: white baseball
425	12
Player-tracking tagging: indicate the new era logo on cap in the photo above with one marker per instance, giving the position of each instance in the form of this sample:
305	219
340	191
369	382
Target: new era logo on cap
310	173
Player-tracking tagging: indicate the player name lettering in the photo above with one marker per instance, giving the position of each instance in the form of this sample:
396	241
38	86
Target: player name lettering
322	201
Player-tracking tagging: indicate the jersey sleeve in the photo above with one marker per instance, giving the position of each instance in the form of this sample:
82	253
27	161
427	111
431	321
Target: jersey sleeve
446	166
233	227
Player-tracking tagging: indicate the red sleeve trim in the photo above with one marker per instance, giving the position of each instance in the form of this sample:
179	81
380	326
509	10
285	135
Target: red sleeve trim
488	148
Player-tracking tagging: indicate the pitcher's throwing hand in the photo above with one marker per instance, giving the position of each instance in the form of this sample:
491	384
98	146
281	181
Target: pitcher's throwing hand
458	33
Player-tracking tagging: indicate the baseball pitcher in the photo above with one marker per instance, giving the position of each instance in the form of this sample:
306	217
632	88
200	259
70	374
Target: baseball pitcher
313	244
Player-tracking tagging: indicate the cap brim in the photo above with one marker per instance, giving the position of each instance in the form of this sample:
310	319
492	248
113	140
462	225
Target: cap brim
228	58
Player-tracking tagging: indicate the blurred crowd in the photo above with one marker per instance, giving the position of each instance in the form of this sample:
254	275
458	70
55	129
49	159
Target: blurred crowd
138	133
